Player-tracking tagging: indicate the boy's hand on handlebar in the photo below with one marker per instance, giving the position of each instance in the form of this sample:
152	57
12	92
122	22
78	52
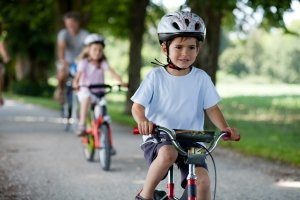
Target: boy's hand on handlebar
145	127
232	134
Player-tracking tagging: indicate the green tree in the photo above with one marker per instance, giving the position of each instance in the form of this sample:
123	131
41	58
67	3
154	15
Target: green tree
270	54
216	13
124	19
28	25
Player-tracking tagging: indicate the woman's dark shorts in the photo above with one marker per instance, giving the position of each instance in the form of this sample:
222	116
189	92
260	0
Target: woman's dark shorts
151	147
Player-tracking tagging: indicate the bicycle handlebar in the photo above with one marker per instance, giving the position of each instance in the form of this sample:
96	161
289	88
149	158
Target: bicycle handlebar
193	136
104	86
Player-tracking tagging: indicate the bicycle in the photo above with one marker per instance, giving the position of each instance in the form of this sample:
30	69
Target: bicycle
69	107
198	140
98	135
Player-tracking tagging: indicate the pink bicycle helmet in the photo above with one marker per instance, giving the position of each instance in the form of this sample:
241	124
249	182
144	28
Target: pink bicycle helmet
181	23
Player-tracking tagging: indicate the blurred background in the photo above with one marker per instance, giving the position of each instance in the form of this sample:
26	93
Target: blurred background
251	52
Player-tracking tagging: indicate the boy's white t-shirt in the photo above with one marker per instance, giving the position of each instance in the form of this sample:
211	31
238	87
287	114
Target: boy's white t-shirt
176	102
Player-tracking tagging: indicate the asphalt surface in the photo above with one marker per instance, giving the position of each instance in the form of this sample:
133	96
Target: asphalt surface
39	160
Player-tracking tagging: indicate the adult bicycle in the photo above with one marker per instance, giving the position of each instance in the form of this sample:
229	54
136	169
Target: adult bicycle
199	145
69	106
98	135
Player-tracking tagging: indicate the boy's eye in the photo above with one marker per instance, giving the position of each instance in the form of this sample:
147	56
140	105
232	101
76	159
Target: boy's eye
178	47
192	47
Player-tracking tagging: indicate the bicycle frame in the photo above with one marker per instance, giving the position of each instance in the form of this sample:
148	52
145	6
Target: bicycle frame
69	97
95	125
94	130
99	134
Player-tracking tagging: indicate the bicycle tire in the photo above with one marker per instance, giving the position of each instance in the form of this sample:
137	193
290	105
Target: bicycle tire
104	151
75	113
68	104
89	147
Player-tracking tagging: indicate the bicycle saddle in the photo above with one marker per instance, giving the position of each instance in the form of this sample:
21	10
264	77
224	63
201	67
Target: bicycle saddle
194	136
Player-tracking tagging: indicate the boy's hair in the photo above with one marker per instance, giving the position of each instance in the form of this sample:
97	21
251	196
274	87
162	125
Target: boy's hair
168	42
72	15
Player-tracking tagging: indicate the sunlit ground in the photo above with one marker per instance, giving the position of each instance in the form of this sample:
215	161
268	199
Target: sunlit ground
256	89
288	183
34	119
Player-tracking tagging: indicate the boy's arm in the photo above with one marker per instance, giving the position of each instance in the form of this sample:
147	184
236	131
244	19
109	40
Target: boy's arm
144	125
216	116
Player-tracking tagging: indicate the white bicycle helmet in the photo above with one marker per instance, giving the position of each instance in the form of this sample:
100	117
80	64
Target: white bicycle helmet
94	38
181	23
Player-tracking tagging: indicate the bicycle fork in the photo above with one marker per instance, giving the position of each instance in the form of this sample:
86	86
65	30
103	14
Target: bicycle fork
191	188
191	183
170	184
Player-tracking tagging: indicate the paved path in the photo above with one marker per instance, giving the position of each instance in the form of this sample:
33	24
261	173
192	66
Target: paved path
38	160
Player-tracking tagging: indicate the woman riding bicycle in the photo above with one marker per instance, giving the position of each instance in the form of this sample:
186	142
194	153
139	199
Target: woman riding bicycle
91	69
176	96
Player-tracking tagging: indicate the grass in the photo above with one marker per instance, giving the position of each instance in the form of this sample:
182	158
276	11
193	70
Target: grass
268	122
269	126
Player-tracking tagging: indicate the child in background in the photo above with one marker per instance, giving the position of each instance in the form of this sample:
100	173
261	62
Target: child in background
91	69
176	96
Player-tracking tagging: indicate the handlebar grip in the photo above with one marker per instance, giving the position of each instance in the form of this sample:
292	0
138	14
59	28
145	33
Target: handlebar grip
226	137
136	131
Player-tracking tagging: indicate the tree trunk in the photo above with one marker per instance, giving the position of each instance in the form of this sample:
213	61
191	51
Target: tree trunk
22	67
209	54
137	27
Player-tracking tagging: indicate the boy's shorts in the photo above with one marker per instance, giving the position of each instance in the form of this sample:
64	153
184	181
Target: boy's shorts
151	147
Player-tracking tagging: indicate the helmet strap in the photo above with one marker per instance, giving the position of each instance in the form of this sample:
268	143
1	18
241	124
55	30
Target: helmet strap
172	65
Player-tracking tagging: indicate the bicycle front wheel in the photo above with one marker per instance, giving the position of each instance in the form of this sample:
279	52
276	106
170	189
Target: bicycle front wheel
104	151
89	147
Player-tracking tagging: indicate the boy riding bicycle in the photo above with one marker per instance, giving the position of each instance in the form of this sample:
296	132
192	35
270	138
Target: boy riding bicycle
176	96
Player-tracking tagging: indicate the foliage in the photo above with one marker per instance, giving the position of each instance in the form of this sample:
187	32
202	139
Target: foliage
113	17
28	88
28	25
274	55
110	17
30	32
215	13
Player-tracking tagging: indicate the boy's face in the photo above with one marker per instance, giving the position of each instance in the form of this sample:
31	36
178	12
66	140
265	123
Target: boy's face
183	51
